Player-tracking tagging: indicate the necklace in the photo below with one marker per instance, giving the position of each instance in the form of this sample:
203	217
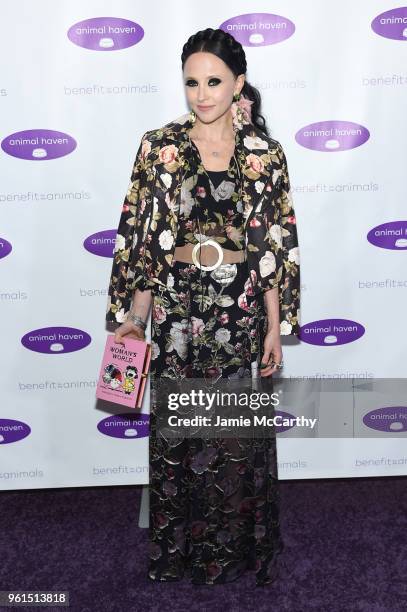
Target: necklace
215	153
203	238
207	242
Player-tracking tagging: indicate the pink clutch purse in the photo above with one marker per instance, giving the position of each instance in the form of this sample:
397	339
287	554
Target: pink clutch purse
124	371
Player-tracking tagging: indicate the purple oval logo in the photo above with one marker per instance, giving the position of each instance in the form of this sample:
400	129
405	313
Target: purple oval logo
280	427
259	29
332	136
5	248
126	426
331	332
13	431
56	340
390	418
392	235
391	24
38	145
101	243
105	33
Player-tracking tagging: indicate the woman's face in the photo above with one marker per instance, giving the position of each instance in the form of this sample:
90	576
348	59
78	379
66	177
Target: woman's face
209	85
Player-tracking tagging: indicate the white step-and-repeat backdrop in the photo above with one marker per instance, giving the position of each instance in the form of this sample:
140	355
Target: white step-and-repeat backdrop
80	83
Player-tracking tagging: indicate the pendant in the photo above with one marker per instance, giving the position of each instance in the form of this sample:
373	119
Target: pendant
215	153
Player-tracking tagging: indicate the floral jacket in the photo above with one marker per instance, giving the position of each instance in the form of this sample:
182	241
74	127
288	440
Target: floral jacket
147	230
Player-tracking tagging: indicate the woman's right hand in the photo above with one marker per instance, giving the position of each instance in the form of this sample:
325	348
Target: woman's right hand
130	330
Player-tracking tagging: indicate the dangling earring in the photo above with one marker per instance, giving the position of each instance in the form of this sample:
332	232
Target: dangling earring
241	110
237	112
192	117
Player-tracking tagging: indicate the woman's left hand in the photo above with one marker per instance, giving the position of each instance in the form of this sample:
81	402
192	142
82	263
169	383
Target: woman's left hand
272	352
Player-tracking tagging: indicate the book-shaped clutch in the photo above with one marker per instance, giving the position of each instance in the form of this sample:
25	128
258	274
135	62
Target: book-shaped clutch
124	371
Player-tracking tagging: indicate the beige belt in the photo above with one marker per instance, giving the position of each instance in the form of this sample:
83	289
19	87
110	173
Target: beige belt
211	255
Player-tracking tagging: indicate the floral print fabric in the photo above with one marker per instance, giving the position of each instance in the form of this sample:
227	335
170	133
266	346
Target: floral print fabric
165	168
215	210
213	502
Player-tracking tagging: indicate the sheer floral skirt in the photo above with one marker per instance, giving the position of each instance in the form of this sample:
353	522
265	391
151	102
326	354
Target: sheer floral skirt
214	503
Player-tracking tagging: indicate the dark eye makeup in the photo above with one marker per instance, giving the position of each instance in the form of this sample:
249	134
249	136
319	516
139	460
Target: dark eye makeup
212	82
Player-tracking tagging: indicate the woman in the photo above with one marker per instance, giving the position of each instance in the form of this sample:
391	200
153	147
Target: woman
213	176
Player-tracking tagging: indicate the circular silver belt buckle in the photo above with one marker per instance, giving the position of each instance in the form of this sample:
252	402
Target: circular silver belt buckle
207	243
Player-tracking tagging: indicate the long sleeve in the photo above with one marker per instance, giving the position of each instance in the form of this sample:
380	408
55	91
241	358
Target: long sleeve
128	269
289	259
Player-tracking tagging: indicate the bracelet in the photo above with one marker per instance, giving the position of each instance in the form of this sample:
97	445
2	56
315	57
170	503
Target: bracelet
138	321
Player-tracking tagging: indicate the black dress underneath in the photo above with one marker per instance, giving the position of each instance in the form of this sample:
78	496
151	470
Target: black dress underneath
214	510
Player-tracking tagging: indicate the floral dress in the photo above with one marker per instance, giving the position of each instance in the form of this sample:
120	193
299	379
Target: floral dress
213	502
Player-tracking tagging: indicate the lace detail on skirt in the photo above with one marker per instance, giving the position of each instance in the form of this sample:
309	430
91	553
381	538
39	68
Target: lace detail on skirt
214	509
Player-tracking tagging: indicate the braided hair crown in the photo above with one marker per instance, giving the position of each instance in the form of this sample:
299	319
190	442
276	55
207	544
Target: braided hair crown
227	48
